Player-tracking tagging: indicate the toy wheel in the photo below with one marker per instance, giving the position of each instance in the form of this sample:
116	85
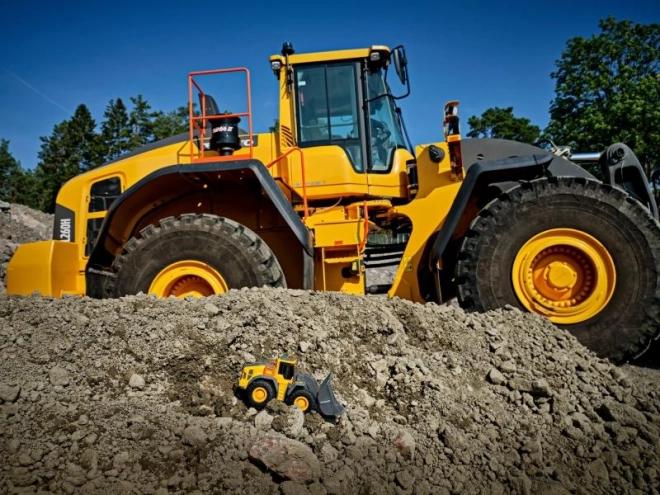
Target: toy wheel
303	399
259	393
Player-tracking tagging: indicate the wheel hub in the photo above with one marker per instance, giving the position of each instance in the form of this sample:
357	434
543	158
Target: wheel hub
259	394
188	278
301	402
564	274
560	276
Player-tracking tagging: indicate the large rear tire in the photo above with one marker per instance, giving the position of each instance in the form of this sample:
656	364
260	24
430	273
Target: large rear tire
584	254
194	255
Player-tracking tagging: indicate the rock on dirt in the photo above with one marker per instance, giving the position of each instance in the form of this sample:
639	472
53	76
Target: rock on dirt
137	395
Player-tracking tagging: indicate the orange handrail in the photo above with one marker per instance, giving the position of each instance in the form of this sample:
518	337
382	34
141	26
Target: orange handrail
366	226
302	174
203	118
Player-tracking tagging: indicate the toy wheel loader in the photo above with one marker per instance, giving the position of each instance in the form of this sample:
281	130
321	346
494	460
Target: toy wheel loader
338	188
278	379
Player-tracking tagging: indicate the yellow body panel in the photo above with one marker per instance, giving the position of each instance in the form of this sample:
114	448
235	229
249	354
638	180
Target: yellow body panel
429	209
339	238
328	173
394	183
47	267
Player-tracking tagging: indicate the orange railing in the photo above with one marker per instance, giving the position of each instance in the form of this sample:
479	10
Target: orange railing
302	174
196	120
365	212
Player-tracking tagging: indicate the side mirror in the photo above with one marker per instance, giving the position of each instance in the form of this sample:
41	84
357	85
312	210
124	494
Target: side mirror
400	63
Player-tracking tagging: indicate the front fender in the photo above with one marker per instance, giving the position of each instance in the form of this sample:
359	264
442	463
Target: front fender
171	183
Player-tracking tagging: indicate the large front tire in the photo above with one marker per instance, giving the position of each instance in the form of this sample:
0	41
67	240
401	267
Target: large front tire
583	254
194	255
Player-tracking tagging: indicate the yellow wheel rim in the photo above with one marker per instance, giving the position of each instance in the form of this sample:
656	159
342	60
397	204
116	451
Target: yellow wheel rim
301	402
259	394
564	274
188	278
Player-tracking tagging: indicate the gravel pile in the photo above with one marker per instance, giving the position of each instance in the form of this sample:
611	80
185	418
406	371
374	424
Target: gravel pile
137	396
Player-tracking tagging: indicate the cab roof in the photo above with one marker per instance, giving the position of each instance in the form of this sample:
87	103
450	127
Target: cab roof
329	56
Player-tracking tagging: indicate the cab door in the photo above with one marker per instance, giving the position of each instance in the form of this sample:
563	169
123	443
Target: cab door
330	130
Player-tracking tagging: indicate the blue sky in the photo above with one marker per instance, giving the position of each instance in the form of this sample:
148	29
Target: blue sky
57	54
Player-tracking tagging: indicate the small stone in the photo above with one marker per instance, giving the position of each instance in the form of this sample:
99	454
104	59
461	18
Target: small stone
136	381
9	393
304	346
59	377
405	480
212	308
496	377
405	443
329	453
508	367
367	399
120	459
194	435
289	458
263	420
541	388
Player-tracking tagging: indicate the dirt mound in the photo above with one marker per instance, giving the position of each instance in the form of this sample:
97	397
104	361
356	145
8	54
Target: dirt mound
19	224
136	395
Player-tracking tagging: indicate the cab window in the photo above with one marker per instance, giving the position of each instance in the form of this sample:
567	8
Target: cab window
101	195
328	108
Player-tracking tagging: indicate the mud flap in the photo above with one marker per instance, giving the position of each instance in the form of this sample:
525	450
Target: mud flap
327	402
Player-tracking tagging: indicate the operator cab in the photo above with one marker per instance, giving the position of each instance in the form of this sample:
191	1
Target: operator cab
343	99
334	101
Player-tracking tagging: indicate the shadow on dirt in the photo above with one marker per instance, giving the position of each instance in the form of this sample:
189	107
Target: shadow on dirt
650	359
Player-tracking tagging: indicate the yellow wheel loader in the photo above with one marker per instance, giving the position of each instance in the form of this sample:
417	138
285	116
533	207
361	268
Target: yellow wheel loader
340	189
278	379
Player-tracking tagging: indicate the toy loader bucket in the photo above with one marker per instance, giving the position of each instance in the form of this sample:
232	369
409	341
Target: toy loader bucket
327	402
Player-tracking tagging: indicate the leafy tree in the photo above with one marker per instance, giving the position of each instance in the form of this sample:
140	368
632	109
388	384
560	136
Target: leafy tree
140	122
170	123
72	148
608	90
501	123
115	130
11	175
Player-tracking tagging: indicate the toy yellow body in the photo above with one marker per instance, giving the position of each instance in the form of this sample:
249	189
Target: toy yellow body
278	379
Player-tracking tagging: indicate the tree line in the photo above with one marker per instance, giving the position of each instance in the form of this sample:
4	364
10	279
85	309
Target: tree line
607	90
78	144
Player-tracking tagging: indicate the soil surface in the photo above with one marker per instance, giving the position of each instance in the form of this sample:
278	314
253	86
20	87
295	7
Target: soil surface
137	395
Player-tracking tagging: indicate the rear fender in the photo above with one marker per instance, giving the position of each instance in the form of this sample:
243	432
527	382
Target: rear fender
193	189
620	167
